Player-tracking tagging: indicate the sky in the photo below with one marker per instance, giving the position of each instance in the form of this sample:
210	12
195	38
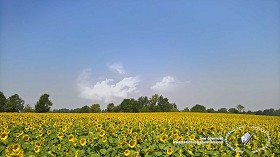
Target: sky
214	53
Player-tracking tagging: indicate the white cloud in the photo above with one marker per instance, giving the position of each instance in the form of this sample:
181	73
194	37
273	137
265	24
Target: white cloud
106	91
117	67
166	83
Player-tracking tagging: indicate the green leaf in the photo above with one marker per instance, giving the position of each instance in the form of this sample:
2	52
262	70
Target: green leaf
103	151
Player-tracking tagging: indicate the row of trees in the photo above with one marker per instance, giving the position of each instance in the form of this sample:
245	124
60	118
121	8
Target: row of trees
16	104
155	103
240	109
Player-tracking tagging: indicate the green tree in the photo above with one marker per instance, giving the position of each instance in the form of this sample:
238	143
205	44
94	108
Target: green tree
222	110
210	110
240	108
28	108
143	103
110	107
14	103
186	110
95	108
44	104
198	108
232	110
3	102
153	103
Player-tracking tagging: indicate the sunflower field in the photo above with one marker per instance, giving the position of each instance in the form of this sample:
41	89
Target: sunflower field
137	134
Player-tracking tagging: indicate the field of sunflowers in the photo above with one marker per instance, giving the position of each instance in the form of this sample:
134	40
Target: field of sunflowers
137	134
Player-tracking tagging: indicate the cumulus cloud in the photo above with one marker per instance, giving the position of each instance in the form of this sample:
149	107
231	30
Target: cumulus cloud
166	83
117	67
107	90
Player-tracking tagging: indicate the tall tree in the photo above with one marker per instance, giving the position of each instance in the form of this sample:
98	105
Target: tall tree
240	108
222	110
3	102
110	107
44	104
198	108
14	104
233	110
95	108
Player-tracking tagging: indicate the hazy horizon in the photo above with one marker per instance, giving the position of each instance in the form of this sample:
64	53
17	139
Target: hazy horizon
214	53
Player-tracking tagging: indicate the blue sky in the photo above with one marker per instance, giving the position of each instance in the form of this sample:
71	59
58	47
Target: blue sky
215	53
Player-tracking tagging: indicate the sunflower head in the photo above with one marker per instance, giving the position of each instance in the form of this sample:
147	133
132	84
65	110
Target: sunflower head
16	147
83	141
101	133
136	154
16	154
126	152
70	137
169	151
60	135
4	136
104	139
49	132
37	149
132	143
163	138
25	137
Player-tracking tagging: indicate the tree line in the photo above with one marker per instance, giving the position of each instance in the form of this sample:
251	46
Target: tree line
15	103
156	103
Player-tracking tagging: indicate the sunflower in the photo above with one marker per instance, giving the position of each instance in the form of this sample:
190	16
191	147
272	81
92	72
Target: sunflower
135	154
132	143
18	135
70	137
74	141
139	140
37	144
90	140
163	138
99	126
60	135
9	149
123	144
169	151
104	139
16	147
192	137
37	149
186	130
212	128
162	131
49	132
25	137
16	154
102	133
126	152
4	136
83	141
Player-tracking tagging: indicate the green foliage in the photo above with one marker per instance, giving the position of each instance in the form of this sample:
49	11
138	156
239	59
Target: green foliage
186	110
3	102
198	108
222	110
28	108
210	110
95	108
14	104
110	107
44	104
240	108
233	110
